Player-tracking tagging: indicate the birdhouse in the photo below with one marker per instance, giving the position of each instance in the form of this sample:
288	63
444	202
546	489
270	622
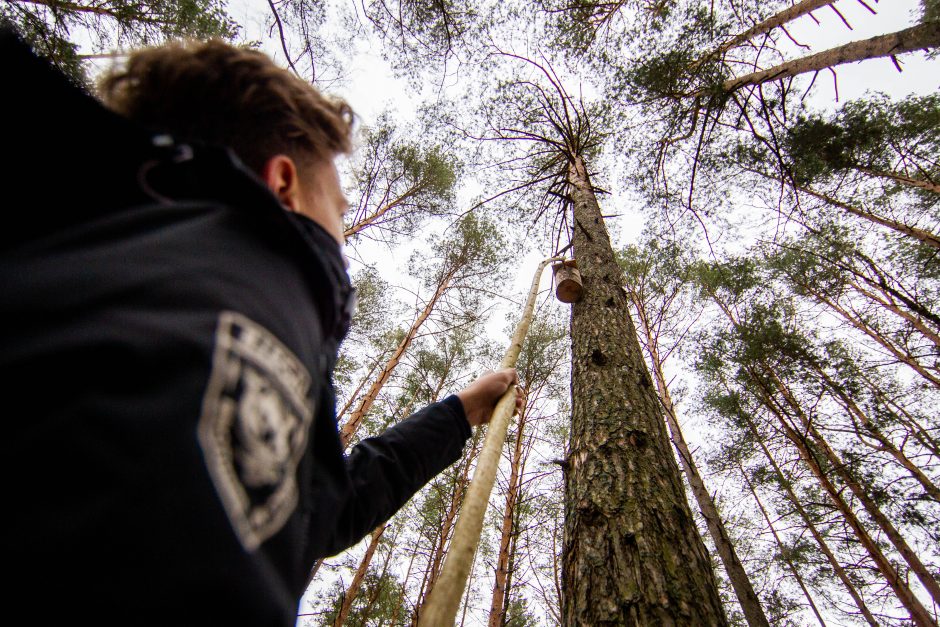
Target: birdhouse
568	285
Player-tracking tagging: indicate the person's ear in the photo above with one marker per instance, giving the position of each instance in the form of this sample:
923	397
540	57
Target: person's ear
280	175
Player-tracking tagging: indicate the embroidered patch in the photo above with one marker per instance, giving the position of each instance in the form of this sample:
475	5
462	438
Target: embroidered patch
253	428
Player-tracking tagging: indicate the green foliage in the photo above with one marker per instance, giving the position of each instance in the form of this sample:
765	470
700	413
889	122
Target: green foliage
930	10
51	26
422	33
472	250
399	182
380	598
518	613
873	133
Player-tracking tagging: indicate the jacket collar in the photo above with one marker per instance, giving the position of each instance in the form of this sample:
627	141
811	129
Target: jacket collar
213	173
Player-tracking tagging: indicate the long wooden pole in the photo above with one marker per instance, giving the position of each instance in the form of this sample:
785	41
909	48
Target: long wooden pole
444	600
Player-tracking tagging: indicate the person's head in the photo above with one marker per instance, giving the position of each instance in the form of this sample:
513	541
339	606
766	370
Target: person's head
278	125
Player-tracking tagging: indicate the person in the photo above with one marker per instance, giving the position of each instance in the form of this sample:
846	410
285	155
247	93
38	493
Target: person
174	297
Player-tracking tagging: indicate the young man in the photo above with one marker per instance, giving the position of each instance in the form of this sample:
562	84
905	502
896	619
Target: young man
174	296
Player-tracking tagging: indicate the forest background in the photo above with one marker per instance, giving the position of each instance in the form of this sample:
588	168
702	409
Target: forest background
775	227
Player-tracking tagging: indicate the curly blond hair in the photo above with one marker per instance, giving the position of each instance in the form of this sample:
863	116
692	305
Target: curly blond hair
220	94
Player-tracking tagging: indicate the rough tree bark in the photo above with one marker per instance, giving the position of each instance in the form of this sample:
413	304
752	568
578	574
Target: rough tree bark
632	553
740	582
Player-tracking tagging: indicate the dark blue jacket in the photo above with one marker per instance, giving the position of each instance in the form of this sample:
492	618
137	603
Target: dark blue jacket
168	336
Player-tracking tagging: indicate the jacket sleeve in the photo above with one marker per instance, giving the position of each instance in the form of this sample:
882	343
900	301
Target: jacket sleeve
385	471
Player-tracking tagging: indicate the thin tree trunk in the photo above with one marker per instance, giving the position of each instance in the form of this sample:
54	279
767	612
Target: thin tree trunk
353	590
926	237
466	594
900	355
442	606
915	428
779	19
740	582
930	239
368	220
872	431
632	553
503	566
500	583
824	547
367	611
922	36
930	186
891	306
355	418
362	384
404	585
897	540
781	548
447	525
919	613
439	552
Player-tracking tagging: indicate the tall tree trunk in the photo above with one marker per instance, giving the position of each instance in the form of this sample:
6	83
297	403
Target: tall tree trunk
353	590
886	301
914	426
918	612
874	432
501	579
632	553
404	585
355	418
922	36
898	353
374	596
928	238
929	186
817	535
923	575
779	19
782	549
740	582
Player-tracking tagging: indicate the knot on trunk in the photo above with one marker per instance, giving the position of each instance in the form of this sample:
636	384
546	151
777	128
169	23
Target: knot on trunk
598	358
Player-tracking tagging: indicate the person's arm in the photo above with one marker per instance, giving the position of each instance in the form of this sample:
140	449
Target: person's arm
385	471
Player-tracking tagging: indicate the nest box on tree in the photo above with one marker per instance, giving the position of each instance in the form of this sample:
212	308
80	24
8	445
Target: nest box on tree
568	287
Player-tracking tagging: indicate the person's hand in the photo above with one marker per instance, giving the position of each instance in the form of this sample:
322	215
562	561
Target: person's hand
480	397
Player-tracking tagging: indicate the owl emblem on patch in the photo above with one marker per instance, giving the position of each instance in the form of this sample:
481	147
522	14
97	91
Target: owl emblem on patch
256	415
